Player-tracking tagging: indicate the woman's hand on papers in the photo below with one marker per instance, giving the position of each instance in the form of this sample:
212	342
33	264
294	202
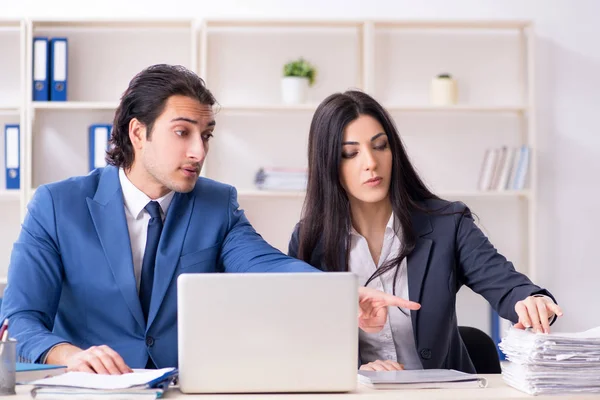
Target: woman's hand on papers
96	359
373	306
382	365
536	312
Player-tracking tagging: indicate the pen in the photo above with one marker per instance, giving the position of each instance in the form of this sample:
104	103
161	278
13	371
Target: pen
4	330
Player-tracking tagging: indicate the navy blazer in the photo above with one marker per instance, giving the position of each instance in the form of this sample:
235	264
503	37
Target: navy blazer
451	251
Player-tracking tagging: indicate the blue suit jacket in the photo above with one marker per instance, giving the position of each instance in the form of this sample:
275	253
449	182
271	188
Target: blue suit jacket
71	271
451	251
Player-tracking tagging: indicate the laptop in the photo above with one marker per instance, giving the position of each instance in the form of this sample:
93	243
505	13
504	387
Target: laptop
267	332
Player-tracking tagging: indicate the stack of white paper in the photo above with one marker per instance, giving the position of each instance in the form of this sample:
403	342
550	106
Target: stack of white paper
140	384
552	363
281	179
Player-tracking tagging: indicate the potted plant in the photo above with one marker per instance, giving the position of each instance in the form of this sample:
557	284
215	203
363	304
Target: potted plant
298	75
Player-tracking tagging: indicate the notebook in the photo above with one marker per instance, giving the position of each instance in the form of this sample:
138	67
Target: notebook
29	372
53	393
420	379
140	384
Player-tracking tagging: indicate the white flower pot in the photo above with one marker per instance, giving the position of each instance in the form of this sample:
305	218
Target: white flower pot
443	92
294	89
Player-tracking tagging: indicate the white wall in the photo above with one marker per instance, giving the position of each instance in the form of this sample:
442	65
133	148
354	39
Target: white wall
568	98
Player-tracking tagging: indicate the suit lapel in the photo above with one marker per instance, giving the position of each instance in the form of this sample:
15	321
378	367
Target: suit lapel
108	213
169	248
418	261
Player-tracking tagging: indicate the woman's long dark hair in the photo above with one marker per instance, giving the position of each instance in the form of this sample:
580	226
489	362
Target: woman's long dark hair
326	213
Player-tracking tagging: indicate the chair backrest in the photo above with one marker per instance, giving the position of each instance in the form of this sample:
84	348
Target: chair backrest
482	350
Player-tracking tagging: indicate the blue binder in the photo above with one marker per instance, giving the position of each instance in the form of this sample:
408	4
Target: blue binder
12	149
41	75
58	70
99	134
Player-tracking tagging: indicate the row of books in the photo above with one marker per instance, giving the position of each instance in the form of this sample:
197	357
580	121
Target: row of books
281	179
50	69
504	168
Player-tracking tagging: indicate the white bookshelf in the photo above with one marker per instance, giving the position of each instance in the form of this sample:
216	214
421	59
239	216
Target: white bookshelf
242	64
394	61
103	56
12	111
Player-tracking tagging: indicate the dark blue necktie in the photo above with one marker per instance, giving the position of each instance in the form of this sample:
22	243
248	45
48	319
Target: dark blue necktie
155	226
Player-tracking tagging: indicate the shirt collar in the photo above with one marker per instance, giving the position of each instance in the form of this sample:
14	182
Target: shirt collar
389	228
135	200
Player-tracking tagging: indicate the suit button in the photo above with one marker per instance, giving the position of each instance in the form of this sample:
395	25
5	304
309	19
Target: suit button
426	354
149	341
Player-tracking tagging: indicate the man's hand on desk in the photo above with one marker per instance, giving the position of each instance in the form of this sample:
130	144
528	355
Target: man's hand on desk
382	365
373	306
96	359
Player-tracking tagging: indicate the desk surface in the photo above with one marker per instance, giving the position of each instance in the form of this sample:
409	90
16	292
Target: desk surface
496	389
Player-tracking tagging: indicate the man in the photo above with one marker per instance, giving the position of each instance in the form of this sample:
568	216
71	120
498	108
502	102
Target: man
92	278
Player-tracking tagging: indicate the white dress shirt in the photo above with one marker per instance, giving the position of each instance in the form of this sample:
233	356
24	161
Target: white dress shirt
137	219
396	340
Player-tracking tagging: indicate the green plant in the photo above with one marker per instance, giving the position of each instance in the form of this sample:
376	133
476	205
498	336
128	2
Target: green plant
300	68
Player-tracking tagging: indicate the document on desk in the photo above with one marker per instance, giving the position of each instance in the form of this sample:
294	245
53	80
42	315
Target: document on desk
552	363
87	380
420	379
141	384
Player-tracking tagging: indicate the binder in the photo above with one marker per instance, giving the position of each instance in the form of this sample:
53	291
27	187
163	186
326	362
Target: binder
41	76
99	134
521	175
58	70
11	156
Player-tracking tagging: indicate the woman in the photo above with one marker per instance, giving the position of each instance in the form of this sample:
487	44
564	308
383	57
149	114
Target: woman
367	211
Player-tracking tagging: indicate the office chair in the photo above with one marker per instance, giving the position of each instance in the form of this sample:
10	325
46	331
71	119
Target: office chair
482	350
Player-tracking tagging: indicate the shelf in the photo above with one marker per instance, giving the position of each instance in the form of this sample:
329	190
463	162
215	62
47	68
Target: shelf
289	194
233	108
266	108
10	25
466	24
414	24
275	23
10	195
112	23
74	105
458	109
10	110
443	194
480	194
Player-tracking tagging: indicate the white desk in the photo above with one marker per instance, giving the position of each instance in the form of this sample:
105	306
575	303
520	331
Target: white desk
496	389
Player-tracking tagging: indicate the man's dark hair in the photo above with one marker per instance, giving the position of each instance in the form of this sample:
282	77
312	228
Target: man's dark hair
145	100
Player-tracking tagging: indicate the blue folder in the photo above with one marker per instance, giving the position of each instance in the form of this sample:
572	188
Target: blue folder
58	69
99	135
41	73
12	150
